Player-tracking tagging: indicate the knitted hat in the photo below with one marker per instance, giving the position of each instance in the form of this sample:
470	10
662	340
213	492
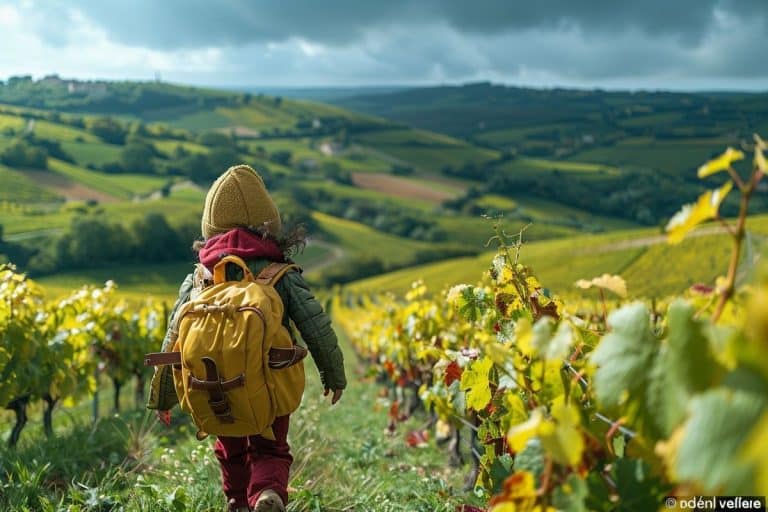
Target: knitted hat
238	198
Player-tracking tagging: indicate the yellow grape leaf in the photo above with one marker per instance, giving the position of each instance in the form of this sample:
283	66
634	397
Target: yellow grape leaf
524	336
691	215
516	411
562	438
760	146
519	435
474	380
721	163
613	283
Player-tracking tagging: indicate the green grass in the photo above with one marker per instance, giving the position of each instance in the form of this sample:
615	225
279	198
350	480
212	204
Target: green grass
361	241
18	188
343	460
15	123
434	159
62	133
203	120
169	146
674	158
95	153
93	179
371	196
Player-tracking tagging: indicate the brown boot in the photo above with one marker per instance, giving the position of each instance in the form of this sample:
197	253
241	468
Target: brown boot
269	501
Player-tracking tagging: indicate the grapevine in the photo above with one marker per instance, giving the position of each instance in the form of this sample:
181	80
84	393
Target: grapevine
580	412
53	350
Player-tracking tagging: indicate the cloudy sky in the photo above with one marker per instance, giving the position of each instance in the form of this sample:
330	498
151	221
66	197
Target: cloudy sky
656	44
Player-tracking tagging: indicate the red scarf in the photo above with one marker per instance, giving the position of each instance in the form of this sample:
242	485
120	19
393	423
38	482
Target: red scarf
239	242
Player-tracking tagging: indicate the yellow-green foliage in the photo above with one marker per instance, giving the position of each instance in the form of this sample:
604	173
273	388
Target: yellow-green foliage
651	267
18	188
62	133
360	240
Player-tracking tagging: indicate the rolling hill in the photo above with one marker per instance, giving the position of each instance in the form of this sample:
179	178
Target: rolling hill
376	195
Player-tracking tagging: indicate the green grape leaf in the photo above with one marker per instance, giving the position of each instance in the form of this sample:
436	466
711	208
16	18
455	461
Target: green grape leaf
713	437
531	458
551	344
570	496
500	469
684	365
624	355
637	487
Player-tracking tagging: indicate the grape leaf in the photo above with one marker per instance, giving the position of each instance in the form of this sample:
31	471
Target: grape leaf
721	163
570	496
624	355
607	282
713	437
475	381
531	459
691	215
755	452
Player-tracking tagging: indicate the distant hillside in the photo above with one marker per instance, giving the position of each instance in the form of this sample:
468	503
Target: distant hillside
486	111
618	153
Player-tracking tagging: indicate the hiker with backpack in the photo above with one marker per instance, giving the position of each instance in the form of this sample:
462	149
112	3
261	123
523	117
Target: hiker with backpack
230	357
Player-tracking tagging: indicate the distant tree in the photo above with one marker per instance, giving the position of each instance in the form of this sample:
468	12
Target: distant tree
137	157
155	239
221	158
278	101
196	167
108	130
22	154
215	139
401	170
282	157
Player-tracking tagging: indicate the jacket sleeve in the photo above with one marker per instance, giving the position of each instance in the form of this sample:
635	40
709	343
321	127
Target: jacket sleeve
162	391
314	325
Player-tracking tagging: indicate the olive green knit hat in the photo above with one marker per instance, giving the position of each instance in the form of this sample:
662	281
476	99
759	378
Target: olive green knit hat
238	198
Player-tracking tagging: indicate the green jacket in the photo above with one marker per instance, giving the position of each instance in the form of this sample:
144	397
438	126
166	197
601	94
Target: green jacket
301	307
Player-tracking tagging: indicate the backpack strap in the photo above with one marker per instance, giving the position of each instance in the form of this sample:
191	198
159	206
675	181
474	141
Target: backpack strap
220	270
272	273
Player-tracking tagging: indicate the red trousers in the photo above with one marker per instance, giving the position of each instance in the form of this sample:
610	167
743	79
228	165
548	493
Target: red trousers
252	464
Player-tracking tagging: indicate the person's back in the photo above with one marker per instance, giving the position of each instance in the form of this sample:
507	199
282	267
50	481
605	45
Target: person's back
240	219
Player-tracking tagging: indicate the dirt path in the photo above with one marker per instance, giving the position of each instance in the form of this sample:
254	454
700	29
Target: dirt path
400	187
67	188
651	240
337	253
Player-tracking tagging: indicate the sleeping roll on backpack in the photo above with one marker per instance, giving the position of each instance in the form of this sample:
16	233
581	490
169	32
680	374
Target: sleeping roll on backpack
235	367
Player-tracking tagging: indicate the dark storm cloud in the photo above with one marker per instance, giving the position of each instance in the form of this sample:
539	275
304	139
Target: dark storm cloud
171	24
539	42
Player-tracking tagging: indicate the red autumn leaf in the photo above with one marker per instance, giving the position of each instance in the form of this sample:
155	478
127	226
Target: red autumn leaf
389	367
452	373
394	410
164	417
417	438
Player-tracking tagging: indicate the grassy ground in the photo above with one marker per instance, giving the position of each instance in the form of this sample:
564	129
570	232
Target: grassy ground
344	460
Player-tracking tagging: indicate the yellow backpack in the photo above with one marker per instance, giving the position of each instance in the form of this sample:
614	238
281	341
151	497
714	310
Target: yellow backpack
235	366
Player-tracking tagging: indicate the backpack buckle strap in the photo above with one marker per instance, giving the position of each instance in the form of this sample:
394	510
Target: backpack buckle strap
222	410
280	358
216	387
